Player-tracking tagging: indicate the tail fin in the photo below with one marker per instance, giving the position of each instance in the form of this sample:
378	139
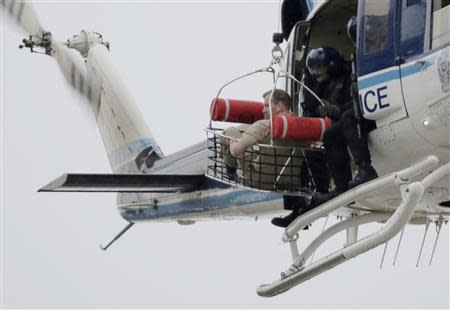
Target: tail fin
128	141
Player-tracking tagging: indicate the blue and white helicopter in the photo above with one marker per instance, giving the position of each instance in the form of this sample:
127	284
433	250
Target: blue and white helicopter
403	78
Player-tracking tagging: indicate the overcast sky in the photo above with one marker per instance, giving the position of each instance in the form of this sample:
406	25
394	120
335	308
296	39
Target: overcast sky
174	57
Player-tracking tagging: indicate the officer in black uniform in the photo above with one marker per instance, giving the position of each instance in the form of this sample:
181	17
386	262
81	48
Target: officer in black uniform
365	170
329	77
343	133
315	160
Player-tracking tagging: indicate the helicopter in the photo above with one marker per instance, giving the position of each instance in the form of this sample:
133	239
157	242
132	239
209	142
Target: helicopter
182	191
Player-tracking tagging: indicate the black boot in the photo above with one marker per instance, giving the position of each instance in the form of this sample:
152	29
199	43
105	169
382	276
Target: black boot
294	203
320	198
231	172
286	220
365	173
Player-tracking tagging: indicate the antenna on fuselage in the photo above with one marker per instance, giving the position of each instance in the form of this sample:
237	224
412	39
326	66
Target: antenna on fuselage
423	242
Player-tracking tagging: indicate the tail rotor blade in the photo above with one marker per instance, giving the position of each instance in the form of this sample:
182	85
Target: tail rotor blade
41	41
71	71
25	15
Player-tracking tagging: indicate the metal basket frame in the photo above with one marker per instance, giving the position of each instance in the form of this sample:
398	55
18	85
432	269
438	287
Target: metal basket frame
290	175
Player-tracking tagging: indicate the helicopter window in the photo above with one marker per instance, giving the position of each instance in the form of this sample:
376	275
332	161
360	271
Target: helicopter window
412	30
376	26
440	25
439	4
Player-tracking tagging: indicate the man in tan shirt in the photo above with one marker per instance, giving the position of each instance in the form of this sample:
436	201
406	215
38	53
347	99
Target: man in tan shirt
266	168
259	131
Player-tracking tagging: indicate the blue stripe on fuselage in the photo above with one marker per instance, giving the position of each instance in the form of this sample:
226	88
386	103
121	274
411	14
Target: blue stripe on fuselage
378	79
237	198
129	151
395	74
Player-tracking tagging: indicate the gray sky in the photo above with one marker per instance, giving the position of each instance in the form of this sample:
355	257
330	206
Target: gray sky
174	57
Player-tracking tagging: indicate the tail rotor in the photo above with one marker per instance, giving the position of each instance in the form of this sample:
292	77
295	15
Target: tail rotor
41	41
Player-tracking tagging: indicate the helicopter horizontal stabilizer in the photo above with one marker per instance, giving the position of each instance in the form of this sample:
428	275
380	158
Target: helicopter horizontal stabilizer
132	183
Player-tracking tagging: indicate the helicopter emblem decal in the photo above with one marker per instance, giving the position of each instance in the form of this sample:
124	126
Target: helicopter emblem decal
443	67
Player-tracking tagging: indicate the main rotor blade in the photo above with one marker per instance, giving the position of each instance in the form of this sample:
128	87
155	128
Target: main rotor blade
25	15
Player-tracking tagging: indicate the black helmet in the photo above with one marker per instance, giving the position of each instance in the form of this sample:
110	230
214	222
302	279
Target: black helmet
323	60
351	28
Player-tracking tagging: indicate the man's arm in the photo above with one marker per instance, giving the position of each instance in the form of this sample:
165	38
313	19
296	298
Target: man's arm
238	147
253	135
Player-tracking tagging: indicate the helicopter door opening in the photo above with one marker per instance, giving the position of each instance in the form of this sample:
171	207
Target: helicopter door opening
294	62
299	53
424	48
378	63
326	28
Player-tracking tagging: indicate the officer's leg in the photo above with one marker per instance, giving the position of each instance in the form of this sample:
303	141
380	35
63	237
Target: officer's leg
337	156
359	148
298	204
295	203
316	166
338	161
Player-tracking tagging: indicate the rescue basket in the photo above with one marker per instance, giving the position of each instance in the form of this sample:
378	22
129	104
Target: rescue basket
262	167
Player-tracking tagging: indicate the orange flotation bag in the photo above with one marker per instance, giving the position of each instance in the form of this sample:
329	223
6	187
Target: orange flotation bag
299	128
236	111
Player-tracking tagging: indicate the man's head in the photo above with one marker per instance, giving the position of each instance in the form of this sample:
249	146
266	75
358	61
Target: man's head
323	63
281	102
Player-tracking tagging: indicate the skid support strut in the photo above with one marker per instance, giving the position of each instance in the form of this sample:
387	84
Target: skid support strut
411	194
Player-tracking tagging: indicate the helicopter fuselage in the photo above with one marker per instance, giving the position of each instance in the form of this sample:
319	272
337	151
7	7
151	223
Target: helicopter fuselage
403	86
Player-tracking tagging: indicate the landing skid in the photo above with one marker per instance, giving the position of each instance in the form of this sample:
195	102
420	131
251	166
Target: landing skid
411	193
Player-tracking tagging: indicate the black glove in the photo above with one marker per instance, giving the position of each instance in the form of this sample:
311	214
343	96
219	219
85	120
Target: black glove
329	110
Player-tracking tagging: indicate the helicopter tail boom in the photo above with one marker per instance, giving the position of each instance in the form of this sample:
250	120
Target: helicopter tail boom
129	143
